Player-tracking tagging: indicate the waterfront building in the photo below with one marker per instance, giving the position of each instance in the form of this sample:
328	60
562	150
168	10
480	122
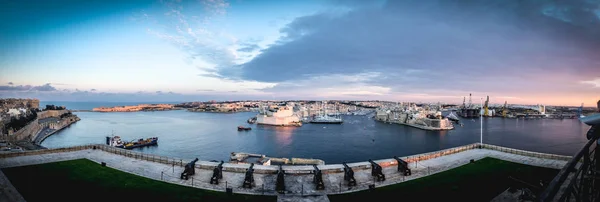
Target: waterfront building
277	115
414	116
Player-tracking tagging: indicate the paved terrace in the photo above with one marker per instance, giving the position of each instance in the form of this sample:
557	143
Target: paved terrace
298	179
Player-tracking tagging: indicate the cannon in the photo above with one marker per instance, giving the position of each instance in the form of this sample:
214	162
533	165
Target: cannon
377	171
280	184
249	178
217	174
349	175
189	169
403	166
318	178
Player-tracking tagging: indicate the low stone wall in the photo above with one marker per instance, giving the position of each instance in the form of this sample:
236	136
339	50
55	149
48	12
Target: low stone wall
291	169
527	153
51	113
63	123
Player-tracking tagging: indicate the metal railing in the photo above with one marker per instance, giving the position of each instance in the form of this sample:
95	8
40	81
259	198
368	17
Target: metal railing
579	179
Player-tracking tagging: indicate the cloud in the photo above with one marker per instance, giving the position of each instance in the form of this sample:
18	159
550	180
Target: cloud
205	90
45	87
595	82
10	83
249	48
438	48
194	32
93	89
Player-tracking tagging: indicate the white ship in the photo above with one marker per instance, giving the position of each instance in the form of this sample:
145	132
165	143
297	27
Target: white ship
277	116
327	119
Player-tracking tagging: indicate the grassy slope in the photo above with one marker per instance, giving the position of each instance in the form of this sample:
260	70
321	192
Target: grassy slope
479	181
85	180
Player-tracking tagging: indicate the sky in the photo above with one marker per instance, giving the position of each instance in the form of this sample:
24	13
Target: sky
523	52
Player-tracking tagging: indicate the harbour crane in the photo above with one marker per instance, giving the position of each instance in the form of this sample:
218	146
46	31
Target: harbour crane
470	101
486	112
504	110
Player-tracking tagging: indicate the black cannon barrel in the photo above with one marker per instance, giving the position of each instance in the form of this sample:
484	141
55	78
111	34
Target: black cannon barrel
189	169
318	178
377	171
249	178
217	174
191	164
280	184
373	163
403	166
400	161
349	175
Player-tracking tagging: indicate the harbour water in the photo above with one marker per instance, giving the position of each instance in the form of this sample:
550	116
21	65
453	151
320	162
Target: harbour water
213	136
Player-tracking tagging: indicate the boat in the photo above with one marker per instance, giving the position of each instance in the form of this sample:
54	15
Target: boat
252	120
115	141
327	120
324	118
452	116
240	128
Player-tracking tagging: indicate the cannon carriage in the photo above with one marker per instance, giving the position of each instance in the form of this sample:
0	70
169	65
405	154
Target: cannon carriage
377	171
403	166
189	170
217	174
349	175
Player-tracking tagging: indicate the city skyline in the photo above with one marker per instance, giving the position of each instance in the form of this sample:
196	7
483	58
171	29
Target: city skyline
539	52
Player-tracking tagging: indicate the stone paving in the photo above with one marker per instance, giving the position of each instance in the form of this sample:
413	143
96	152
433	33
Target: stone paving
298	181
8	192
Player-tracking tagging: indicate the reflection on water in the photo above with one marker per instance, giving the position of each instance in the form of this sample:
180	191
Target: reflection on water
283	135
212	136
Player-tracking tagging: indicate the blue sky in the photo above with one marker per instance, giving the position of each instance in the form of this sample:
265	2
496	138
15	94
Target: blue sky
529	53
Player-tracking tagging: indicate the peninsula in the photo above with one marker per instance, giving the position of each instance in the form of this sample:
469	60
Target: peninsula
136	108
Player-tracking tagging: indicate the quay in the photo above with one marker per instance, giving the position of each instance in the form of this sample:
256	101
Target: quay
44	125
298	179
423	127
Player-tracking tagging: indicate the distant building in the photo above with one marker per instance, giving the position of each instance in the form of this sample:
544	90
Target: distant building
598	105
14	112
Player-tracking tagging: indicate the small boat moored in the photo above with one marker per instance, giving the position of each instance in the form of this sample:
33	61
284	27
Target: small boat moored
240	128
115	141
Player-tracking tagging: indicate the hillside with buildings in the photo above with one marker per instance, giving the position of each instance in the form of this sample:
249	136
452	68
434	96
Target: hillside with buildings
136	108
23	123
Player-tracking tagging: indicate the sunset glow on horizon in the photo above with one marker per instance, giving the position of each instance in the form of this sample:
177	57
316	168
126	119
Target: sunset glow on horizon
536	52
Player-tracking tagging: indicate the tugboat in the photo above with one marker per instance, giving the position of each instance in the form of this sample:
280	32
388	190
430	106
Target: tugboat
241	128
115	141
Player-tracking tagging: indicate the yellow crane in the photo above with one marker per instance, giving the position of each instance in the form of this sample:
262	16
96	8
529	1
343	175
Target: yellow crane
504	110
486	112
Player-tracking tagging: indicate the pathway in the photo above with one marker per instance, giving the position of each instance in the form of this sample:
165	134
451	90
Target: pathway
297	185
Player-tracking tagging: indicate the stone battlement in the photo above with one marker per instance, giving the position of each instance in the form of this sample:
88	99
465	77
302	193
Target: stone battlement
299	179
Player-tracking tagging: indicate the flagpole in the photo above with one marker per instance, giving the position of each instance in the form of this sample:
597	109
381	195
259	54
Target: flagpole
481	126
